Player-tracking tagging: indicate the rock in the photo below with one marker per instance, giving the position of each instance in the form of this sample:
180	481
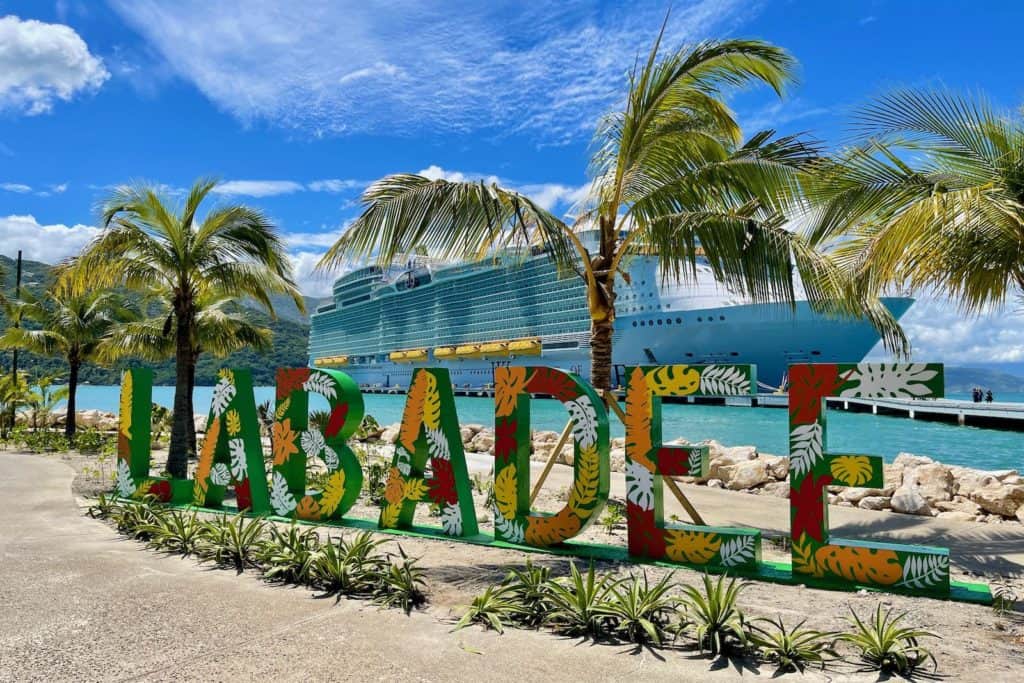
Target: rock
909	501
474	427
199	421
999	499
778	465
967	481
855	494
777	489
934	481
957	516
910	460
893	476
466	434
108	422
617	459
728	457
545	437
1020	514
1003	475
1014	480
748	474
958	504
618	442
874	503
390	434
716	484
483	442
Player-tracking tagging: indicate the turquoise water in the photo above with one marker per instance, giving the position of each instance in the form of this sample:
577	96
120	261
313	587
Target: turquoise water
761	427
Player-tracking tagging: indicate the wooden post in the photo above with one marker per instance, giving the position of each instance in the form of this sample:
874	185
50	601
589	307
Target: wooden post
613	403
566	433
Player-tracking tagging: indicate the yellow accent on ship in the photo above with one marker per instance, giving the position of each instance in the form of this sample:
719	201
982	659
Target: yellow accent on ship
410	356
444	352
330	361
397	356
525	347
468	351
494	349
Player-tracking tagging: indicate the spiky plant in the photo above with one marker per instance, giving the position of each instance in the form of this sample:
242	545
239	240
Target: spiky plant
231	542
177	532
287	555
791	649
712	616
138	519
343	567
103	507
401	584
641	611
578	602
530	589
885	646
493	609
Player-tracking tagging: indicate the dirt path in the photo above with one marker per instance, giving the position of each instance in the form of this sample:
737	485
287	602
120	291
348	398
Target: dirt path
81	603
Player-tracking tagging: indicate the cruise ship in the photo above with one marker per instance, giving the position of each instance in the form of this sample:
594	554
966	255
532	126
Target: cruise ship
383	322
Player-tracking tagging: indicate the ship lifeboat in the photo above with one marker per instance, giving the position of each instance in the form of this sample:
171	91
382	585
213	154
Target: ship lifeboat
468	351
525	347
494	349
397	356
416	355
442	352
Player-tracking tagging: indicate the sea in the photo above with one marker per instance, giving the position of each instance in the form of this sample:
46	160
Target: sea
765	428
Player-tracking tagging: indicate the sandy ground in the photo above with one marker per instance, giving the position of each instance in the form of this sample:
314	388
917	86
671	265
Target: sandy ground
81	603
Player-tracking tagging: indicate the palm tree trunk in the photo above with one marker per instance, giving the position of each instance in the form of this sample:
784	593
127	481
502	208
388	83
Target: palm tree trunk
602	325
191	427
177	456
70	421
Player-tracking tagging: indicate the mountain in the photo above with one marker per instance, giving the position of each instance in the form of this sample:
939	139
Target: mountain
962	379
290	339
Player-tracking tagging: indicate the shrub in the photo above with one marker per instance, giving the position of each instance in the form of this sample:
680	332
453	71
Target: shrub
613	516
103	507
287	555
641	612
492	608
530	589
578	602
376	478
712	615
348	568
231	542
886	646
92	440
792	649
401	584
368	428
137	519
176	532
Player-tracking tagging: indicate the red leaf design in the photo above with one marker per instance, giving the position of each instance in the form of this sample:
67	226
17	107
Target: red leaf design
554	383
337	419
162	491
808	384
442	486
505	439
290	379
808	507
645	538
243	497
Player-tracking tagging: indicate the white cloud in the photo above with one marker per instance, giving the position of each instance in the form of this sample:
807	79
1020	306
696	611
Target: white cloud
16	187
329	68
547	195
258	188
941	333
305	240
46	243
59	189
41	63
336	185
310	283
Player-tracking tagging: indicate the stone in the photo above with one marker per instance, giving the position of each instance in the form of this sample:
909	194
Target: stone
776	489
466	434
728	457
855	494
749	474
545	437
958	504
390	434
716	484
956	516
934	481
874	503
893	475
778	465
474	427
999	499
909	501
618	442
1020	514
199	421
1014	480
483	442
617	458
910	460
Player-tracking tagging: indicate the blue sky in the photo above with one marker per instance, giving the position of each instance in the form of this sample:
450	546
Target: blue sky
296	109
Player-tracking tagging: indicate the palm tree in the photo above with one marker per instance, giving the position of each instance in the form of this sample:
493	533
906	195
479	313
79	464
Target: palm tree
670	173
147	245
930	197
222	327
72	323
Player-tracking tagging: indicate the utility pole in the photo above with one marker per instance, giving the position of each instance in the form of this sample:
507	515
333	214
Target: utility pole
14	352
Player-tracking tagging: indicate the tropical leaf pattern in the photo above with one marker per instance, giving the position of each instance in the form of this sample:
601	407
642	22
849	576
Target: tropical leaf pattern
692	547
736	551
451	520
695	464
403	460
638	419
724	380
234	422
239	467
312	442
674	380
331	459
223	394
308	508
414	489
205	464
584	421
389	516
220	475
508	529
851	470
332	493
804	448
124	483
281	499
505	501
639	485
923	572
804	561
889	380
437	443
545	531
125	409
583	496
862	565
321	383
509	382
283	441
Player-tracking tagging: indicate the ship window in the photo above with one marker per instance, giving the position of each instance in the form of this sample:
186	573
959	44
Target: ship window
815	353
689	355
721	317
641	323
659	321
733	353
700	320
668	321
634	323
679	321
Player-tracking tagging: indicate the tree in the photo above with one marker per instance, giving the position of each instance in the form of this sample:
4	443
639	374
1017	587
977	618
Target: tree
931	196
222	327
71	323
148	246
670	173
14	392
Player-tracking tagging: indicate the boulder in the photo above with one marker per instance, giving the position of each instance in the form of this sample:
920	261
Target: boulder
466	434
874	503
716	484
1000	499
1020	514
748	474
967	481
483	442
390	434
855	494
934	481
727	458
893	476
778	465
910	460
474	427
545	437
108	422
618	442
88	418
776	489
958	504
909	501
617	459
957	516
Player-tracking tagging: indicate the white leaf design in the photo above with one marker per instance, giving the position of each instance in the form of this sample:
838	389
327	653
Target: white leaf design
451	520
924	571
219	475
437	444
403	460
736	550
281	498
584	421
125	484
223	393
331	459
694	462
320	383
890	380
239	466
508	530
312	442
804	448
639	485
724	380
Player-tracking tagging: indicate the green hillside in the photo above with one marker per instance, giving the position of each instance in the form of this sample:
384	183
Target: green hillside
289	343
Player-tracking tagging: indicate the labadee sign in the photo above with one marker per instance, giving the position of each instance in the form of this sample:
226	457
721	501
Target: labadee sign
231	457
